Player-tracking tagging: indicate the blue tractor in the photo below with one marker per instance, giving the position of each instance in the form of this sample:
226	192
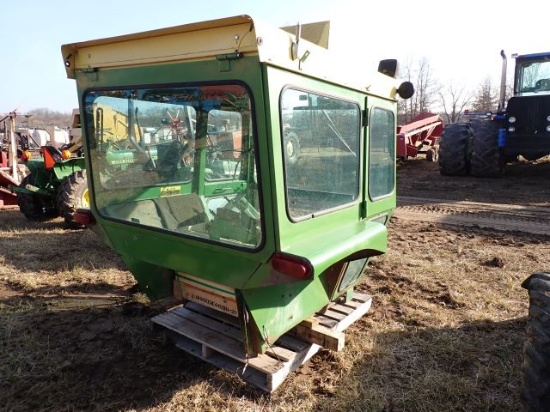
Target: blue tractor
483	146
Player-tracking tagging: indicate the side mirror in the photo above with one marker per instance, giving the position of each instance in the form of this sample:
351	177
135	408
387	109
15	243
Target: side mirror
405	90
388	67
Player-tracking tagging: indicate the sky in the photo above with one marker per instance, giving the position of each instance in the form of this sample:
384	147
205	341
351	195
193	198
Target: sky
460	40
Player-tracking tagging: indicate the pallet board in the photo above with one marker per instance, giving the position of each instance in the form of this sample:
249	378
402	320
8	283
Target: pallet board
216	338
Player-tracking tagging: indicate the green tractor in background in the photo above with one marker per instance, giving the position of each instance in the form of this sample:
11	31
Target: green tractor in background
56	183
55	186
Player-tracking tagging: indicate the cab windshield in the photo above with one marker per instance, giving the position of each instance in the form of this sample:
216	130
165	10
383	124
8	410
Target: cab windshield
176	159
533	76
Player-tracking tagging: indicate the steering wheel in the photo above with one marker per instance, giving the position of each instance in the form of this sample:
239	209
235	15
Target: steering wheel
171	156
542	84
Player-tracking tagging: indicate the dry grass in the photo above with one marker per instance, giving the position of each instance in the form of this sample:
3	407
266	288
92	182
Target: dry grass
445	331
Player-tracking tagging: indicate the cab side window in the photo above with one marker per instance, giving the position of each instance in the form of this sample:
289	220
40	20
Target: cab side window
381	153
320	146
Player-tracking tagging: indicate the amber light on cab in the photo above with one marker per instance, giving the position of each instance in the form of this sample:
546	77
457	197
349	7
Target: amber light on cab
26	156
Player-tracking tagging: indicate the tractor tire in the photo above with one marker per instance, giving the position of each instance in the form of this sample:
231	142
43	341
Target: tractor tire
291	148
33	206
455	149
72	195
432	154
487	158
535	378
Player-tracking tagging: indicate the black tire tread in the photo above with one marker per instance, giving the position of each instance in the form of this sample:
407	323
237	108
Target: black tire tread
487	158
32	206
454	150
70	196
535	388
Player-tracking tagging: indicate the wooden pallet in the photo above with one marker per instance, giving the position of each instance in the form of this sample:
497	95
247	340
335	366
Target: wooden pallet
216	338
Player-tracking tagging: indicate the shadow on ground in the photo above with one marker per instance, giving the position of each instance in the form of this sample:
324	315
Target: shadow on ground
471	368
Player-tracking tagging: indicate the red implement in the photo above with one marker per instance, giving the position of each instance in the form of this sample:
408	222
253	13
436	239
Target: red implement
419	136
7	197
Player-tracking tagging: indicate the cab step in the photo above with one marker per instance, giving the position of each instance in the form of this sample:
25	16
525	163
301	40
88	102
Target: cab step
216	338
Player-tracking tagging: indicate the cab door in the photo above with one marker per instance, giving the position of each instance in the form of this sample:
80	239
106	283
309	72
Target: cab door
379	171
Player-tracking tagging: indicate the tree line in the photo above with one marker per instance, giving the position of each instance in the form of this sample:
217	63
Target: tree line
43	118
451	100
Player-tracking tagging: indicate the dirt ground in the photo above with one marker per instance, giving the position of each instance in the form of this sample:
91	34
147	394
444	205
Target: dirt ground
525	183
445	331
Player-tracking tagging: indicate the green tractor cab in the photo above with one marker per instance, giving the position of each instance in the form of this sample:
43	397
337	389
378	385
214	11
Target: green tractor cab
194	183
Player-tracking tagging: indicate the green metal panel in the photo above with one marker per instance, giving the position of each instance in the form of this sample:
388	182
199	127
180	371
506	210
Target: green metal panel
276	308
66	168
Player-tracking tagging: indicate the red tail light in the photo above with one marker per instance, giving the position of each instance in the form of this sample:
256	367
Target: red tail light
292	266
84	217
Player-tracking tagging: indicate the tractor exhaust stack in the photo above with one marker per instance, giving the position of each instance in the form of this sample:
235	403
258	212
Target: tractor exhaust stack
501	100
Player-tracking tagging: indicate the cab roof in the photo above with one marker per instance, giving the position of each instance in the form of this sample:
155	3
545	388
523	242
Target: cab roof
222	38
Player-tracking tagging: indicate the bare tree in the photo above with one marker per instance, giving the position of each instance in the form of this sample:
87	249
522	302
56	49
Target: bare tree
454	98
426	90
486	99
